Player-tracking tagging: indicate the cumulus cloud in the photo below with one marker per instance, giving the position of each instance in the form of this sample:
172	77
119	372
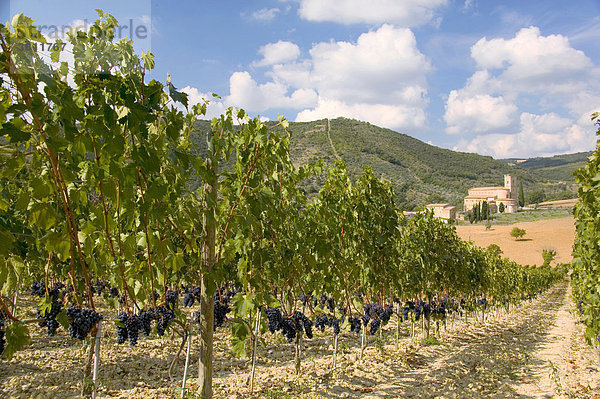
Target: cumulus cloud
265	14
529	96
378	114
477	114
278	53
405	13
537	135
383	66
380	78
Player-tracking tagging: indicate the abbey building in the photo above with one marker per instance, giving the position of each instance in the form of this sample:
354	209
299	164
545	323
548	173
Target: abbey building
495	196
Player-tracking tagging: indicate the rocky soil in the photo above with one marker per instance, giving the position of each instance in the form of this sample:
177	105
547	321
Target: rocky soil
535	351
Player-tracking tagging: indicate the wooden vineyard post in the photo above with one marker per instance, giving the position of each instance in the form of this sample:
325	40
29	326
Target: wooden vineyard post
255	346
187	357
335	347
96	359
298	357
207	309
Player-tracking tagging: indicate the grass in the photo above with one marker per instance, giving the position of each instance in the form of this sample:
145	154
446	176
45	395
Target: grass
430	341
526	216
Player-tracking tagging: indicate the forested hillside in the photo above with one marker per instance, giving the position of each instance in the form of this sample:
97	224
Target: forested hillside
420	173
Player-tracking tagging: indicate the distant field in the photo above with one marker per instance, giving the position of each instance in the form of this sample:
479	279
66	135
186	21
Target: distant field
557	233
531	215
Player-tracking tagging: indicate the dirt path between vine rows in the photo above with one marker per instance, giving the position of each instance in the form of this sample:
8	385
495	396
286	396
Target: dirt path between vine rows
534	352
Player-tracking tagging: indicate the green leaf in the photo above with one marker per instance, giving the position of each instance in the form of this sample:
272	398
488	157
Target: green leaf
15	134
239	338
17	337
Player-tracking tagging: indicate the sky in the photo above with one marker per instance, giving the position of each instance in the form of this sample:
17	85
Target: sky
501	78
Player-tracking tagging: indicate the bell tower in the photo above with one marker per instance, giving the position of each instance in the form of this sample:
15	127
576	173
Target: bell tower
510	182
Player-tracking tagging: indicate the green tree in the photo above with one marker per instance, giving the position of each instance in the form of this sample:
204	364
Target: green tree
521	195
501	208
517	233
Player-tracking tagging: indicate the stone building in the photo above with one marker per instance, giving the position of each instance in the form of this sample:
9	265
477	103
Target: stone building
495	196
443	211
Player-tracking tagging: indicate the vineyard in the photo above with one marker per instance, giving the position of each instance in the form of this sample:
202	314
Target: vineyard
116	233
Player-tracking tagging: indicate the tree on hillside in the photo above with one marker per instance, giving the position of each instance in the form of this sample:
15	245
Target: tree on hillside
517	233
521	195
536	196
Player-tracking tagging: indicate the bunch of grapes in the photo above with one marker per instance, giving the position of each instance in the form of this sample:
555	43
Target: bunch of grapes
274	319
38	289
114	292
330	305
385	313
354	324
146	318
120	321
82	321
303	322
49	316
288	329
221	310
374	326
191	295
163	316
133	326
171	298
335	324
483	302
321	322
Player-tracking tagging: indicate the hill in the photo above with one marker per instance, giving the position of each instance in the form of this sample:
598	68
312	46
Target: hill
420	173
558	167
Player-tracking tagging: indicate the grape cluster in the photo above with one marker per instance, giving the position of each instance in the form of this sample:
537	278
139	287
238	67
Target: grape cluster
163	317
38	289
483	302
171	298
133	326
323	321
82	321
354	324
288	326
274	319
146	318
49	316
120	321
98	286
385	313
303	322
191	295
221	310
114	292
375	323
288	329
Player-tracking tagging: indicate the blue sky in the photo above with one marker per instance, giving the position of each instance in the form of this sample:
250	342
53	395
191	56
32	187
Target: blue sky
500	78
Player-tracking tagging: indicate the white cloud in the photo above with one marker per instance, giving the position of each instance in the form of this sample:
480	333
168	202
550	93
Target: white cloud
538	135
278	53
383	66
246	93
531	95
539	62
380	78
399	12
386	115
265	14
479	113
